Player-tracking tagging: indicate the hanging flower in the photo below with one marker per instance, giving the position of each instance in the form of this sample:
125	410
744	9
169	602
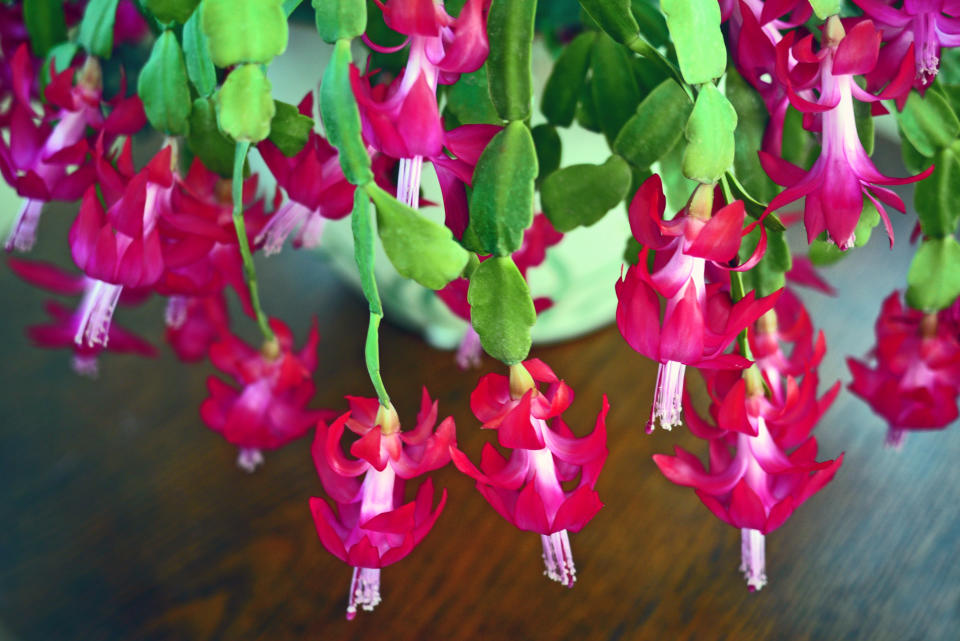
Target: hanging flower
315	186
752	482
915	32
525	488
60	333
269	410
194	324
916	378
843	174
699	322
402	119
370	529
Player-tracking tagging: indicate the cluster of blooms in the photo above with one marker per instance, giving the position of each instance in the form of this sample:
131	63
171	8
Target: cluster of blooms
916	378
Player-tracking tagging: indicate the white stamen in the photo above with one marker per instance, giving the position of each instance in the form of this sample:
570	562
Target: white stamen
96	311
23	233
249	459
558	559
288	217
175	314
364	590
753	562
668	396
85	365
895	438
408	181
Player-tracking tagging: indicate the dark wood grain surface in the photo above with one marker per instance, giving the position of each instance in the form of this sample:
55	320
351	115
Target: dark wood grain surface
123	517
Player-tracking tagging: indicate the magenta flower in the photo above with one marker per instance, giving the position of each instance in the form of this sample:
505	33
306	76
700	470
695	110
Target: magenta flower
370	528
752	482
698	322
315	186
916	378
43	148
913	33
269	410
525	488
60	333
194	324
843	173
532	252
402	119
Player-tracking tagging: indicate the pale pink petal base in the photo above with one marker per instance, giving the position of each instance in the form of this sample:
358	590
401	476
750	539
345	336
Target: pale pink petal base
249	459
364	591
175	315
23	233
667	398
753	561
895	438
558	558
85	365
469	354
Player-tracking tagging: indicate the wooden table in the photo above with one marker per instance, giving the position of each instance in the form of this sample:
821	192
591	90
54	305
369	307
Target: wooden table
123	517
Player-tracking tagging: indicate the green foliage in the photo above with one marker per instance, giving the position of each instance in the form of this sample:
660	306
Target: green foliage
928	123
244	31
418	248
244	104
614	17
340	19
656	126
752	121
341	118
769	274
501	309
709	133
172	10
613	86
45	24
364	252
695	30
546	140
580	195
510	32
933	282
564	86
935	197
163	87
501	205
96	28
469	100
196	54
205	139
289	129
826	8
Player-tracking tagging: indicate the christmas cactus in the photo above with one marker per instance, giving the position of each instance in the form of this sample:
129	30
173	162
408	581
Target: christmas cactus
718	118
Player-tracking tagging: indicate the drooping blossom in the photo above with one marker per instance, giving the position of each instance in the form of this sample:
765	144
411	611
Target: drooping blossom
194	323
60	332
698	322
315	186
47	155
526	488
762	463
371	527
402	119
915	379
843	174
533	251
918	30
270	408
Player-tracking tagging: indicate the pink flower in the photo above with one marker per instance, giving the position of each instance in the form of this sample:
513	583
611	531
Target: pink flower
915	32
195	323
402	119
533	251
315	186
526	489
916	379
44	147
754	481
269	410
65	322
698	322
843	173
370	529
